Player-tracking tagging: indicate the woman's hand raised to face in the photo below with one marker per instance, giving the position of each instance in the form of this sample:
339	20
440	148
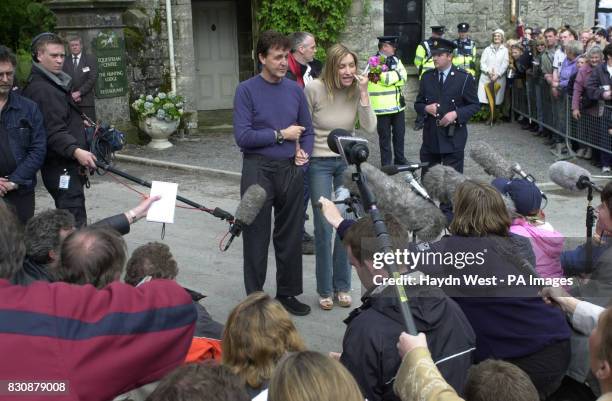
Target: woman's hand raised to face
362	80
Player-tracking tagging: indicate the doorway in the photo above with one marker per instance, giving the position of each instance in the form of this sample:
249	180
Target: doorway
216	53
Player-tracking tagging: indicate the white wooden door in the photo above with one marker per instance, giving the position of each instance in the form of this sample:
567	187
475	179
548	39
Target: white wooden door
216	53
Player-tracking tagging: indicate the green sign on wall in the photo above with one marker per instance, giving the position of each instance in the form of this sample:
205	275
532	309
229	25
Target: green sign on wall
110	55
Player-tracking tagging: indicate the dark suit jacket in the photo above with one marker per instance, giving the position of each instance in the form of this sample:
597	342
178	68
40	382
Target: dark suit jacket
83	77
458	94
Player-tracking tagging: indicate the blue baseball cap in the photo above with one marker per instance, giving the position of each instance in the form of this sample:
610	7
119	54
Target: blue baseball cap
525	194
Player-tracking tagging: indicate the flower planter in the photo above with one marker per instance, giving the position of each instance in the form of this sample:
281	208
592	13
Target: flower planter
159	131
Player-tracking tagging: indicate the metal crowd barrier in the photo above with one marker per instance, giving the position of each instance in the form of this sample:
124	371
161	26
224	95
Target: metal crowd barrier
593	128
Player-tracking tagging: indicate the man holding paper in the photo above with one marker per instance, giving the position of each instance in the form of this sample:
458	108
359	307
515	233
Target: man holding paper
273	128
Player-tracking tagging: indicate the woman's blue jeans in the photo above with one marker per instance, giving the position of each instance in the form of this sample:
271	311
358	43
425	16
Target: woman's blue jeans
332	268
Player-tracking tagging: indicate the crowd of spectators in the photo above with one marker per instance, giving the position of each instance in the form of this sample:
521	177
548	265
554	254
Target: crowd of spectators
559	81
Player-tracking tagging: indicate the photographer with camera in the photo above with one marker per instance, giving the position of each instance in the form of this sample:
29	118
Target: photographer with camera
23	142
50	88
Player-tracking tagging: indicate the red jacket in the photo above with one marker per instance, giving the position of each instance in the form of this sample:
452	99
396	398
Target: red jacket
102	342
295	69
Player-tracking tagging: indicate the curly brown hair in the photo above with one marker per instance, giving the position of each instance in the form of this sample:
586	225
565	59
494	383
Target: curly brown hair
152	259
257	334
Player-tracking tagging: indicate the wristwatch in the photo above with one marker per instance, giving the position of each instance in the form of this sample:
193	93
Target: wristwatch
279	137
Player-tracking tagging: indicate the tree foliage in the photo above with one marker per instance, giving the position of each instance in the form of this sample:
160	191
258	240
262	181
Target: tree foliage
21	20
323	18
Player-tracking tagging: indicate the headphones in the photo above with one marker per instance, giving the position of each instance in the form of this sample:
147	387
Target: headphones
35	41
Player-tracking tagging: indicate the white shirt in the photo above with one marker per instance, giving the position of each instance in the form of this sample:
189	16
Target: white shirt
585	317
78	59
559	59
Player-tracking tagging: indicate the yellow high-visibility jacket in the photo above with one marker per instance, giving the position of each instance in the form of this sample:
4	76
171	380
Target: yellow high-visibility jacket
464	55
386	95
422	59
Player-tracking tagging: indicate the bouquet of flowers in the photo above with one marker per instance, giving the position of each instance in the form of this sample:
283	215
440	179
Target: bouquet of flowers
163	106
376	66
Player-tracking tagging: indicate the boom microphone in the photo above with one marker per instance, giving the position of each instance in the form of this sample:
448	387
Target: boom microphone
441	182
491	161
571	176
251	203
415	213
393	169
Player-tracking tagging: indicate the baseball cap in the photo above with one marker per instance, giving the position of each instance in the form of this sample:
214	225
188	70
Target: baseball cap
525	194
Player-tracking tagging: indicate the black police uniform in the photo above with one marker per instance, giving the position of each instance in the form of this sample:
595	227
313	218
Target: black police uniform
446	145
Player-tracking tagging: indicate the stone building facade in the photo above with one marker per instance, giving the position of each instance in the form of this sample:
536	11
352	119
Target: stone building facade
214	40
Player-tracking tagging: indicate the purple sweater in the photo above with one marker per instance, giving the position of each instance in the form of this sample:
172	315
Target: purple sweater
261	107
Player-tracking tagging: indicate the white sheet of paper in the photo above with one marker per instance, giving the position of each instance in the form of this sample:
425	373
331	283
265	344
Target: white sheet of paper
162	211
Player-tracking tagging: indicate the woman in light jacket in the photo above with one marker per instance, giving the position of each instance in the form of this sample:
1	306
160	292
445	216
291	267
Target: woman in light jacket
493	67
337	100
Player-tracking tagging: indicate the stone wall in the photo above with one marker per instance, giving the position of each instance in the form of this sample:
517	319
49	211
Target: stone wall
148	51
484	16
147	47
364	22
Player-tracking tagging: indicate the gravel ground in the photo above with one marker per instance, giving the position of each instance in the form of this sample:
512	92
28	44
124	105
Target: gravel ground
219	151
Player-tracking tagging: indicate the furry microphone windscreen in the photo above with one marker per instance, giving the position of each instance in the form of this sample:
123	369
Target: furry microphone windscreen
251	203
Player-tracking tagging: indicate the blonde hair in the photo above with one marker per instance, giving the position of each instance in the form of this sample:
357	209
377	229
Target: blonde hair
330	76
257	334
311	376
479	211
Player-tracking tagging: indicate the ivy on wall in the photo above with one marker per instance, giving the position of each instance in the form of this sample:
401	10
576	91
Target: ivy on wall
323	18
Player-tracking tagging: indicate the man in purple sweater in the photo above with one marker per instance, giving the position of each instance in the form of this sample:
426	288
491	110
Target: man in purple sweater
273	128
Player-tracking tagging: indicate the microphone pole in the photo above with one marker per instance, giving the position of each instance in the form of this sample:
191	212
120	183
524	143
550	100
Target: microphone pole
369	204
217	212
590	221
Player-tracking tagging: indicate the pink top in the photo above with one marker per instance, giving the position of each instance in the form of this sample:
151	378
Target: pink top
547	246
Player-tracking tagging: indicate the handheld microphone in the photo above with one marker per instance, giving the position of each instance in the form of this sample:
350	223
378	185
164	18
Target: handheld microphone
491	161
410	180
516	168
415	213
570	176
441	182
410	167
251	203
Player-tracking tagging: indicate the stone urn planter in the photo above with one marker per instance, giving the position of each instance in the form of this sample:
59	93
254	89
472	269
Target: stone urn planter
159	131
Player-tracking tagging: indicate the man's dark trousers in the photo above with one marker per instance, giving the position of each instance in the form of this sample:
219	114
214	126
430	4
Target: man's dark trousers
23	203
71	199
384	124
284	185
454	160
